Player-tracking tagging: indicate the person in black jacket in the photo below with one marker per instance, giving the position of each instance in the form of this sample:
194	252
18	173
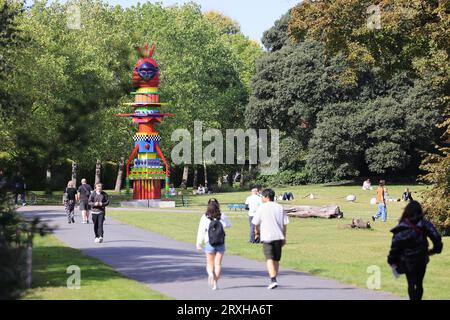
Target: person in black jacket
98	201
409	252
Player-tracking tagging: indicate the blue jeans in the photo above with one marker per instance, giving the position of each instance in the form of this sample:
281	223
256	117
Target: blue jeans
251	230
382	212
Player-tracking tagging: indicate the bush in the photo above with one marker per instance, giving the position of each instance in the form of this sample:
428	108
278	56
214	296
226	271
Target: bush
283	178
16	235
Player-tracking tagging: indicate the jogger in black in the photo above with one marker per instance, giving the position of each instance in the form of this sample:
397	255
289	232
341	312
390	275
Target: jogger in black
409	252
98	225
98	201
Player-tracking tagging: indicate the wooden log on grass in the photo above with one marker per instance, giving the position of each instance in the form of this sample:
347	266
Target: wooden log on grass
327	212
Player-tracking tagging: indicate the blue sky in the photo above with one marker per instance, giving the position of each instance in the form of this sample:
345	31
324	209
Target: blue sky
254	16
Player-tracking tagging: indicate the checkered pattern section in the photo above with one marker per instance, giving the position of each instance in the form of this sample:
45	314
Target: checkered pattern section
146	137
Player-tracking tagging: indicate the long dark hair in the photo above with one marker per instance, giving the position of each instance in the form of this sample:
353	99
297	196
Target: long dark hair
413	212
213	200
213	211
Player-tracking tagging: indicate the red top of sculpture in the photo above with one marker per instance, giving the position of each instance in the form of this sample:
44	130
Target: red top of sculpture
146	70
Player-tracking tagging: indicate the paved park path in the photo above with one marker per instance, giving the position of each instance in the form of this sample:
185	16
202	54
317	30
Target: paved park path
176	269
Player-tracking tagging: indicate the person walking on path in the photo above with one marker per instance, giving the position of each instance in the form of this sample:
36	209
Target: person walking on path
271	224
98	201
211	232
69	201
381	200
84	192
19	187
409	252
252	204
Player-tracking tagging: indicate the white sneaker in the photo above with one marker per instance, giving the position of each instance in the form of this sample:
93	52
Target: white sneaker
84	222
215	286
100	239
97	240
273	285
211	280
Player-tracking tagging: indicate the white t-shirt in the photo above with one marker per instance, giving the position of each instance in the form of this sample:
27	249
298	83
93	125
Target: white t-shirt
203	226
253	201
272	219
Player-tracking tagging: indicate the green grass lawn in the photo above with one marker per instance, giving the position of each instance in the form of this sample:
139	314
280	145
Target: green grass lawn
319	246
98	280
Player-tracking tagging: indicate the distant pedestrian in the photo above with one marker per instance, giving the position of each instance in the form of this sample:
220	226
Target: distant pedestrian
98	201
381	200
409	252
69	199
19	187
252	204
211	232
271	223
84	192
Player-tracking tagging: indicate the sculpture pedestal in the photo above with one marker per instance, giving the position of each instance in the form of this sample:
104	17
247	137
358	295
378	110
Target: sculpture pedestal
151	203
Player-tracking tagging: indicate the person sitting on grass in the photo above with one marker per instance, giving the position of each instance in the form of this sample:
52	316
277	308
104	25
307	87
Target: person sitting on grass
407	196
172	191
367	185
201	190
288	196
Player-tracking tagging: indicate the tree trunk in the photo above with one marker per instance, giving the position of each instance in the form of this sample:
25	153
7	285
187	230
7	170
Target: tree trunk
119	175
98	167
195	182
206	173
242	177
327	212
185	175
74	173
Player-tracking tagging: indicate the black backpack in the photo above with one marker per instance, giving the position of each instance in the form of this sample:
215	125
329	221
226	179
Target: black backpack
216	233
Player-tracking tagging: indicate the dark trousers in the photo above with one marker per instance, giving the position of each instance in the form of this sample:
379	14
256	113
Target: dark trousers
251	230
22	196
288	196
415	282
98	219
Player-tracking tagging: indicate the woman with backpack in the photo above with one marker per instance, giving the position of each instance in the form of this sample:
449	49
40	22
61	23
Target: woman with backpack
211	232
409	252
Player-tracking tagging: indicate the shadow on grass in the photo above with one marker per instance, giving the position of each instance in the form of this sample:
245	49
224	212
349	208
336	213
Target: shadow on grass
50	265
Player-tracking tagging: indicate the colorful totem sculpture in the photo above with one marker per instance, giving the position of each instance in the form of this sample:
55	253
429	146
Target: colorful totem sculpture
146	160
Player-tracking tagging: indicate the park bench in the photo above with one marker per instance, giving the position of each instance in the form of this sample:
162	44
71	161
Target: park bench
236	206
180	200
